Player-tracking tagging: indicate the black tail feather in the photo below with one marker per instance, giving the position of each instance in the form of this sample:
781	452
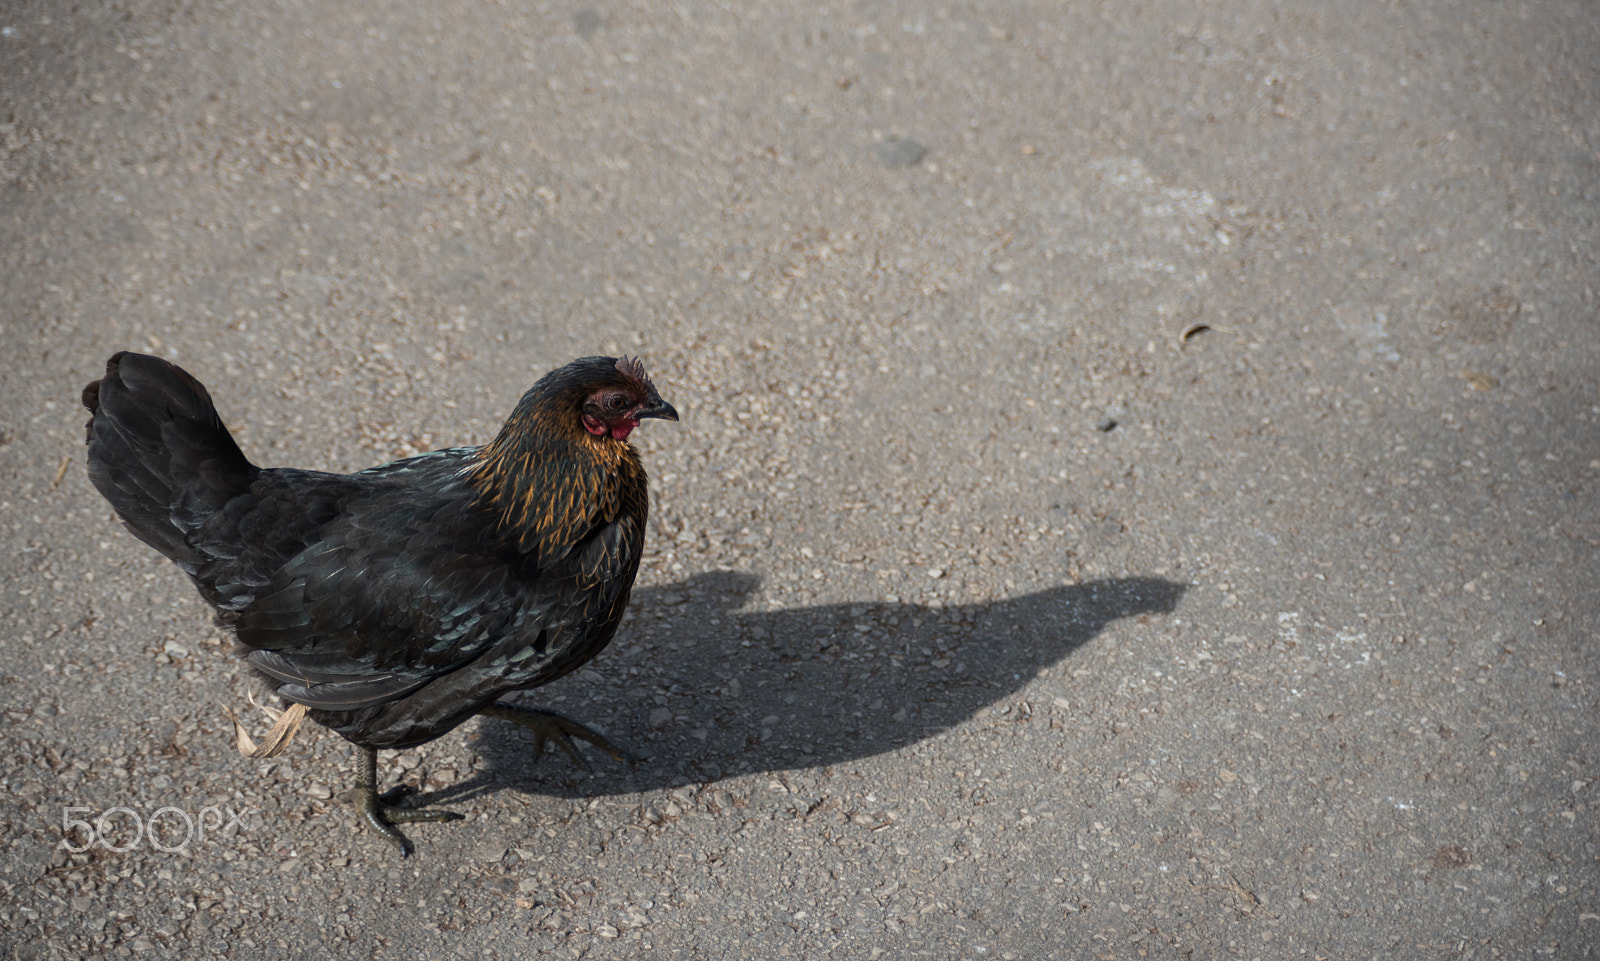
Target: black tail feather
159	452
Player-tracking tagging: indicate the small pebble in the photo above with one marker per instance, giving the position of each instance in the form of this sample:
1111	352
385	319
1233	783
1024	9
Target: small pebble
900	153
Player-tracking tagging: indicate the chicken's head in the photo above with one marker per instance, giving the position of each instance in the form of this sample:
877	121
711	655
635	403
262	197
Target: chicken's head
615	408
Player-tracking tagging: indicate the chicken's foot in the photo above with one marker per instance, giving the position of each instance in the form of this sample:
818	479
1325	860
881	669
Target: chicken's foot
379	810
550	726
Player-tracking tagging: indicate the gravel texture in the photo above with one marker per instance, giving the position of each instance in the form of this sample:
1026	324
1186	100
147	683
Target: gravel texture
1136	493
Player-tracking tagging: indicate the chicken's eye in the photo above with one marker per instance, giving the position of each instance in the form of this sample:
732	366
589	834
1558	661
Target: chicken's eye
617	402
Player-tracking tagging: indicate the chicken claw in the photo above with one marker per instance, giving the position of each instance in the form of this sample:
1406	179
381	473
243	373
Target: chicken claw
550	726
379	810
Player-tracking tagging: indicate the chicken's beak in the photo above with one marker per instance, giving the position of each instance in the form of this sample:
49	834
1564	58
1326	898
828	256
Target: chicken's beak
657	408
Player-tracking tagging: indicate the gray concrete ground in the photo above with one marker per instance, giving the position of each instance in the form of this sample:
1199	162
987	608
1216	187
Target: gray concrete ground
985	615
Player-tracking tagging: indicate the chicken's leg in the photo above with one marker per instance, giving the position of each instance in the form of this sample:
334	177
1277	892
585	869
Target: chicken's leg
550	726
382	816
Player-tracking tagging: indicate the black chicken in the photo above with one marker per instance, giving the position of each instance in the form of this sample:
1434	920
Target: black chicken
397	602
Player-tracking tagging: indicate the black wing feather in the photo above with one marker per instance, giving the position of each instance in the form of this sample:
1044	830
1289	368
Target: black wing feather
393	594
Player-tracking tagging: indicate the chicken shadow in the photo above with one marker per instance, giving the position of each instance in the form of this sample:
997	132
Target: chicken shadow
699	690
